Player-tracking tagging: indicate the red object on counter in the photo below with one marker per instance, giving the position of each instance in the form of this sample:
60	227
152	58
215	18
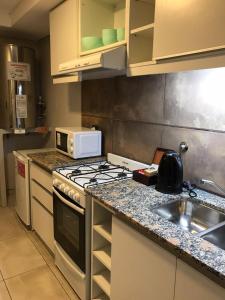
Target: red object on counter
21	169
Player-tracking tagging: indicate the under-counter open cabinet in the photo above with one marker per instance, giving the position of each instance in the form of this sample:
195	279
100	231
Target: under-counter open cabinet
141	32
96	15
101	251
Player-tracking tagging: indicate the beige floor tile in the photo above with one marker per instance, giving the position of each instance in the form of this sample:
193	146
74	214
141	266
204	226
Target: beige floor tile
4	295
9	226
35	285
40	246
18	255
63	282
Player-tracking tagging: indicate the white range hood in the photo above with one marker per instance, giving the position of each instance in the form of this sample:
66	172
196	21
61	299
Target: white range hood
110	60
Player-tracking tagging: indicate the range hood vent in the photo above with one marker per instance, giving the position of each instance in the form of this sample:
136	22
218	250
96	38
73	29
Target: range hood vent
113	59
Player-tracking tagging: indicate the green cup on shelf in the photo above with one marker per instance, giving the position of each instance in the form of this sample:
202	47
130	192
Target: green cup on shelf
109	36
120	34
91	42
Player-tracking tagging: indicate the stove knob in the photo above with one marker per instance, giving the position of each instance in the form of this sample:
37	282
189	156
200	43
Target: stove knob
62	186
71	142
71	193
66	189
56	182
71	149
76	197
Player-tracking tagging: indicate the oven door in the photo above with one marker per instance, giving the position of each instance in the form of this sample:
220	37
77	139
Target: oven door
69	227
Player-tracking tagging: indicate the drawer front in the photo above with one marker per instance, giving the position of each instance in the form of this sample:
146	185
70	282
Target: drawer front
41	176
42	223
42	195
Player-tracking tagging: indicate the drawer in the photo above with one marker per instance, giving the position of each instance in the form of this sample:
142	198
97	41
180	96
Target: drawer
42	195
41	176
42	223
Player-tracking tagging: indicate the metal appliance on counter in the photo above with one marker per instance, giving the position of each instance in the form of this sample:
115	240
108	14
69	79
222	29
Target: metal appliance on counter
79	142
22	180
170	173
18	88
72	214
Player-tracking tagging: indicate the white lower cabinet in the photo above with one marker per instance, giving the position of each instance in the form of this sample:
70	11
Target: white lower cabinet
42	222
42	204
190	284
140	268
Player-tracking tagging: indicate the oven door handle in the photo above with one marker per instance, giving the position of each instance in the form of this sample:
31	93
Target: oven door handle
73	206
70	265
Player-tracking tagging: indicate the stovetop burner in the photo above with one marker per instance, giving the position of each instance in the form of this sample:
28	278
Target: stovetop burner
122	174
76	172
103	167
94	173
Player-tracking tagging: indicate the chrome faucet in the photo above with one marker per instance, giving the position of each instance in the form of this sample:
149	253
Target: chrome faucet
210	182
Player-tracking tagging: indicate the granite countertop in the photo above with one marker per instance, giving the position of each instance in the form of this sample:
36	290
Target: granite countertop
51	160
133	202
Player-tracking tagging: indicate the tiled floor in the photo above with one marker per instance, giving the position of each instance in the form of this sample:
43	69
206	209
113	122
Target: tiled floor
27	270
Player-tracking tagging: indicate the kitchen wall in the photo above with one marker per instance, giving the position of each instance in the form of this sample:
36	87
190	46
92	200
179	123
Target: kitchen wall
63	101
139	114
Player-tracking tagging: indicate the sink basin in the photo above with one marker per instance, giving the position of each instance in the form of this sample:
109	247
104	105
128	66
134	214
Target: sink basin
190	215
216	237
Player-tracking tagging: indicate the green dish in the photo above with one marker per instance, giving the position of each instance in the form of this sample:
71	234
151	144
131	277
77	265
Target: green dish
109	36
91	42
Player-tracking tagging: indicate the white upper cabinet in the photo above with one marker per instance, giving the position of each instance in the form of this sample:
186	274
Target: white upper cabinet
96	15
64	36
188	27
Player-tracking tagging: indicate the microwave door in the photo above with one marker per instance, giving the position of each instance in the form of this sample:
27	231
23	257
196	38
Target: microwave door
69	227
62	140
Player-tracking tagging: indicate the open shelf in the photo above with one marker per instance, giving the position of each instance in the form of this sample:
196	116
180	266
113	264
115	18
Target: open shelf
104	256
145	30
142	13
105	230
103	281
103	48
96	15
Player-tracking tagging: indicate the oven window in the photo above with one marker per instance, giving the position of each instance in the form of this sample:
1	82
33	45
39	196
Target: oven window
69	230
68	225
61	141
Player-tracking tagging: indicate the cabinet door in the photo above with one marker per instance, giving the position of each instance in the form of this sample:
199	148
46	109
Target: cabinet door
140	268
188	27
191	284
63	34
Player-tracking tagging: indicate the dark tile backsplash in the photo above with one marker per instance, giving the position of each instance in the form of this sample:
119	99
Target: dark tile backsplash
139	114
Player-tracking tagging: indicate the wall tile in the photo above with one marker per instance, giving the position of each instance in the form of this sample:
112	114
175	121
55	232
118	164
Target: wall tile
196	99
136	140
98	97
205	157
103	124
140	98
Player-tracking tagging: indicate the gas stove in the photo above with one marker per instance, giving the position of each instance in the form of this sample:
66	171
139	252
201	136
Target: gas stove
72	180
72	210
101	172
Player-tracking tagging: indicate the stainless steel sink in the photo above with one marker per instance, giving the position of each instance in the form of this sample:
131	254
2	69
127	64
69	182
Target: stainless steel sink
190	215
216	237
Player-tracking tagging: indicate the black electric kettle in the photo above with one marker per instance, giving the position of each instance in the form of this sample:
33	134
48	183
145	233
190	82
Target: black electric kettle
170	173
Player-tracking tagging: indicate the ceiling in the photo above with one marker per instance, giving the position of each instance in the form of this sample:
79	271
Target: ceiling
28	18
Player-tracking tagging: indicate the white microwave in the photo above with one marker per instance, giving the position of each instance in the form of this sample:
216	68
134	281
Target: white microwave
78	142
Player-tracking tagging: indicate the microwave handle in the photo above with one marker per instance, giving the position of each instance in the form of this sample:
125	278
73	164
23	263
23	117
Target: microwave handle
73	206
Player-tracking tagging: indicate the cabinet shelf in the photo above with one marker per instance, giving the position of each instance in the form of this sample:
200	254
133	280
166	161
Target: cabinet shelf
104	256
146	30
105	230
103	281
103	48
